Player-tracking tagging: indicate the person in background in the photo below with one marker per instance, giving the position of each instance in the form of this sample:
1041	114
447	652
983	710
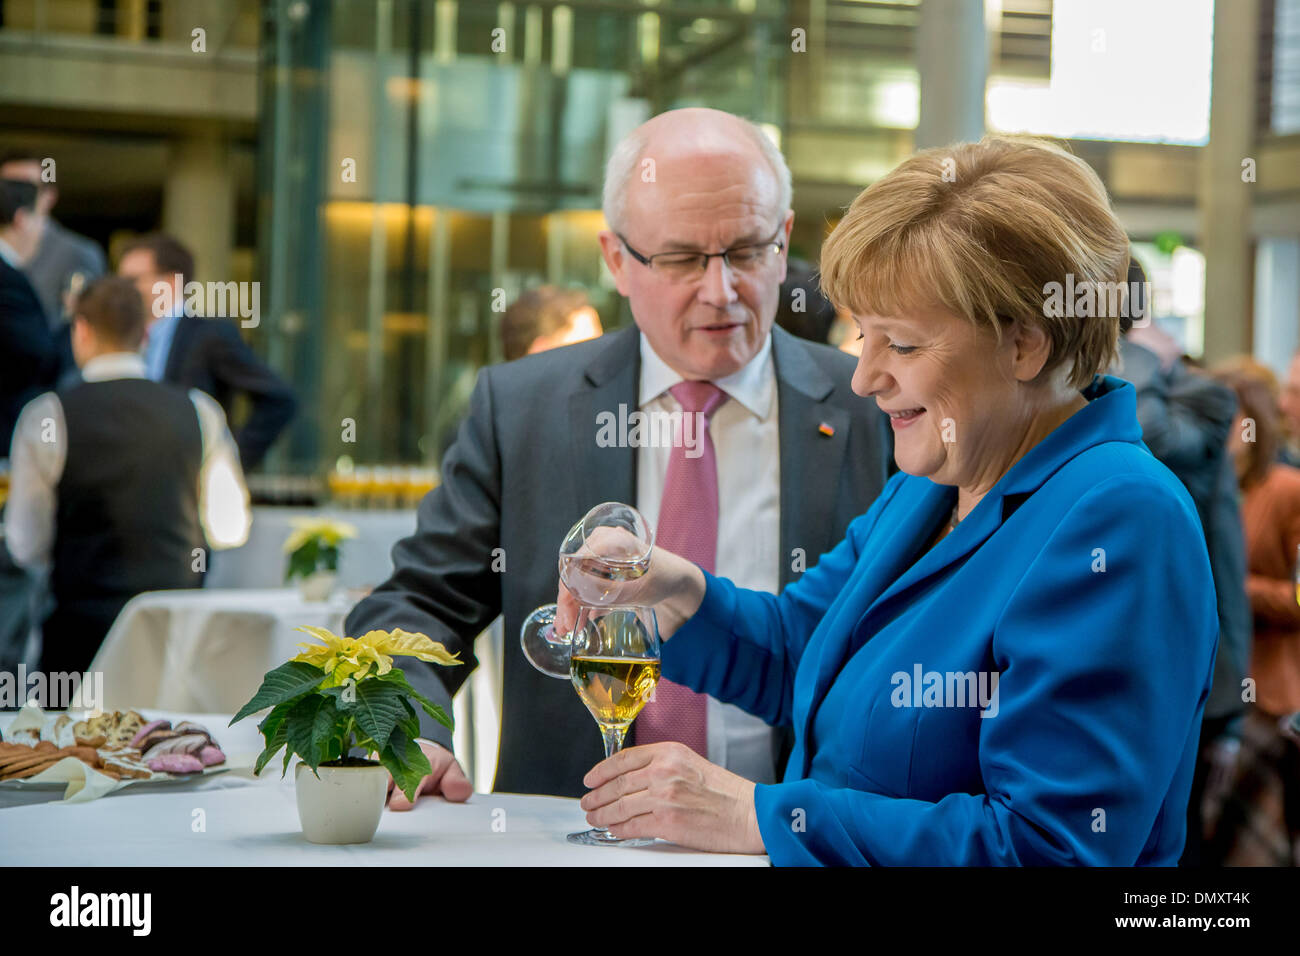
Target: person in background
27	365
27	353
204	353
803	310
1260	823
1288	403
63	260
546	318
1186	417
118	484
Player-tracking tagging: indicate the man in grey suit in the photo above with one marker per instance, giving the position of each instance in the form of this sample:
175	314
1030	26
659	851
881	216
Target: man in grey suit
798	454
64	260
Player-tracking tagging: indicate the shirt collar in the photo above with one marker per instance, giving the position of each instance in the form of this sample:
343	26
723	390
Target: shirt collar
753	385
113	365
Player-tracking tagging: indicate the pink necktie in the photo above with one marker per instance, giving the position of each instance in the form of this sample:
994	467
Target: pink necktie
688	525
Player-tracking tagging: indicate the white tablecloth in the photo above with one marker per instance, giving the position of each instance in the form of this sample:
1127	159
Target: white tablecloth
208	650
248	821
364	561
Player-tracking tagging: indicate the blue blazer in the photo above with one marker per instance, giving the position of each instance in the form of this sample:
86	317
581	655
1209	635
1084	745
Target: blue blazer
1077	595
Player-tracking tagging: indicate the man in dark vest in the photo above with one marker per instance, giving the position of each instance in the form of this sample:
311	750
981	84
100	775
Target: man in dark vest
118	483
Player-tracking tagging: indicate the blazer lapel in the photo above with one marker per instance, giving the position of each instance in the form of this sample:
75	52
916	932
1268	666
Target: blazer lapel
179	345
810	459
610	380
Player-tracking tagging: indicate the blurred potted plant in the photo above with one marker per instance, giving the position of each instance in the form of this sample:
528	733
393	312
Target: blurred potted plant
337	697
313	549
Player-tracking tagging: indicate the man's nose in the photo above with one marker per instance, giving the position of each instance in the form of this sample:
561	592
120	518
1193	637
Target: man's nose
718	287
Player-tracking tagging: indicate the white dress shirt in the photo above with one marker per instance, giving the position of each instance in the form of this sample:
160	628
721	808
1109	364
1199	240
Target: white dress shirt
39	452
747	448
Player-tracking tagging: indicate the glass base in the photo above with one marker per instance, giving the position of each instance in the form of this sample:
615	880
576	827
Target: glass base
604	838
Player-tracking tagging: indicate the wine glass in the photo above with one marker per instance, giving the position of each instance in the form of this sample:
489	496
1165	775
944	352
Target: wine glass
614	667
609	547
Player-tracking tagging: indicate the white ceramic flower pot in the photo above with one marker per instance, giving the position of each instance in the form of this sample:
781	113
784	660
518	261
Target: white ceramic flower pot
342	806
317	586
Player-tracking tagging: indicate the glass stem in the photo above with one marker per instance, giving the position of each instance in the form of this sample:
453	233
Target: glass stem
613	744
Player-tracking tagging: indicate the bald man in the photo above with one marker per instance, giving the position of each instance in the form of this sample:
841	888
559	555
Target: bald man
698	208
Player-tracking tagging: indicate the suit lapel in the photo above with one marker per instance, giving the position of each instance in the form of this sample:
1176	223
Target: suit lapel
185	327
810	460
610	380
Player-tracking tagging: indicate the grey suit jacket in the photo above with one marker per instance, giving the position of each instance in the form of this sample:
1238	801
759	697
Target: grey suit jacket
525	465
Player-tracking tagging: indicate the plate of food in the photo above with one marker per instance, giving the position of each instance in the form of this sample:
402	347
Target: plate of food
99	753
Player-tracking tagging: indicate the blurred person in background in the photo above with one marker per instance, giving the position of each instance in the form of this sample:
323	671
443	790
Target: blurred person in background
802	309
27	364
63	261
1186	418
546	318
117	480
1260	821
1288	402
26	347
204	353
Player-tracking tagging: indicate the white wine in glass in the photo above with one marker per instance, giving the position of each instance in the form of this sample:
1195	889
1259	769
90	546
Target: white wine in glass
614	667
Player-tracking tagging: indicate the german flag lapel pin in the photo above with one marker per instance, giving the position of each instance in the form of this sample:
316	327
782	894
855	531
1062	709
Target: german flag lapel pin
826	429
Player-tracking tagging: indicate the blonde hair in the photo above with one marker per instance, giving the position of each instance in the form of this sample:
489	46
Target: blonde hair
982	230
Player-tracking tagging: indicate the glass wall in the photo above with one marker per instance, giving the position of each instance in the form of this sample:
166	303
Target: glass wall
424	161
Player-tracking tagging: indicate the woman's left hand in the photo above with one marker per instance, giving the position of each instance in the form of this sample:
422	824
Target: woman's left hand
669	791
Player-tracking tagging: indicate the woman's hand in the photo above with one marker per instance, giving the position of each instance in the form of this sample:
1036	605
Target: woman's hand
673	586
669	791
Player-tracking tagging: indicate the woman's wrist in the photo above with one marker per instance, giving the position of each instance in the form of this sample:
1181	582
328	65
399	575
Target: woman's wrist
685	593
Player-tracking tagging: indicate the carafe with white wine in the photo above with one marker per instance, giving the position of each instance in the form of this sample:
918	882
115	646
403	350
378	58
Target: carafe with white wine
612	656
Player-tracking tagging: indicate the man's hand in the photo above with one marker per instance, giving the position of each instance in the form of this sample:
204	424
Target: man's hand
447	779
667	790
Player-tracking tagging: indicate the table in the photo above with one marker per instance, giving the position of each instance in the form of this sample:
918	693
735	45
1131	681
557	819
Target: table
207	650
364	561
248	821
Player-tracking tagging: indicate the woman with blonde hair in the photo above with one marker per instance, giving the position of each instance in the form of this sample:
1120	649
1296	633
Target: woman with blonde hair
1006	659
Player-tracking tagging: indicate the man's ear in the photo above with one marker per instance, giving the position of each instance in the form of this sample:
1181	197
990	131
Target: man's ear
1032	348
611	248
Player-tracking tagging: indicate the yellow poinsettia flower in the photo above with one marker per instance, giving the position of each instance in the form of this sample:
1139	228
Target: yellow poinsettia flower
328	531
342	658
407	643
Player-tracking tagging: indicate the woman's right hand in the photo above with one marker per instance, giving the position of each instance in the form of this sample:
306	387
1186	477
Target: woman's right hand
673	586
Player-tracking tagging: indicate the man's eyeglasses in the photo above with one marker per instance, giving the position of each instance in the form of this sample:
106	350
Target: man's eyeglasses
683	266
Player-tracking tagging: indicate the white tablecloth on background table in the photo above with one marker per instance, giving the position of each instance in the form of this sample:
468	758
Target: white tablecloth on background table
207	650
247	821
364	561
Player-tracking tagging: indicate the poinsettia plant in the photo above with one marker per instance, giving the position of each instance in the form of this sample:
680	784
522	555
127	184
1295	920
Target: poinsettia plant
313	546
345	694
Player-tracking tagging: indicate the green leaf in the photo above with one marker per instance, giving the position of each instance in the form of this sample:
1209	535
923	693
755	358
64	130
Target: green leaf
300	727
406	761
287	682
395	676
377	710
304	560
273	729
